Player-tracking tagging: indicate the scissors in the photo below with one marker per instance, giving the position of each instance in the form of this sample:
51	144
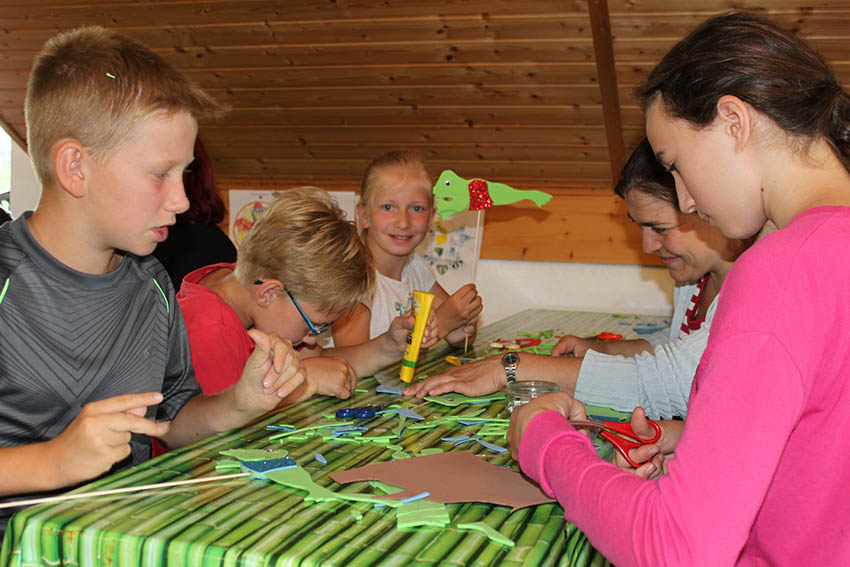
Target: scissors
619	434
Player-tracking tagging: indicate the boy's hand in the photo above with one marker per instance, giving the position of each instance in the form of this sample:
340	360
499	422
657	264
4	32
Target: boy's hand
563	403
570	345
330	376
100	436
272	372
474	379
462	308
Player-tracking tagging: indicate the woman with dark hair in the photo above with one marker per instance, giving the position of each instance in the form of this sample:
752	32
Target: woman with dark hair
196	240
753	126
655	372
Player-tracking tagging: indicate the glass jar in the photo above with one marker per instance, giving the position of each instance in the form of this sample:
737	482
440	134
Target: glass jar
523	391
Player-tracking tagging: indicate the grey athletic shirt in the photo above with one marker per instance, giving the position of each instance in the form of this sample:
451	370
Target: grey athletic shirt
70	338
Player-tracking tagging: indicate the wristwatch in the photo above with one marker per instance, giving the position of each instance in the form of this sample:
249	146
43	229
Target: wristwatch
510	360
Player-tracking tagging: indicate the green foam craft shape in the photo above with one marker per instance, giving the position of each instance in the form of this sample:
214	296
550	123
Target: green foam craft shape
485	529
422	513
455	194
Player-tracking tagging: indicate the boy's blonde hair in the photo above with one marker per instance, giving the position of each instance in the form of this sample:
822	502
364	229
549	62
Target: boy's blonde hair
304	240
396	158
95	85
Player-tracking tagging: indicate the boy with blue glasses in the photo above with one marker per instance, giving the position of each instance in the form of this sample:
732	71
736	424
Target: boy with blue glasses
300	268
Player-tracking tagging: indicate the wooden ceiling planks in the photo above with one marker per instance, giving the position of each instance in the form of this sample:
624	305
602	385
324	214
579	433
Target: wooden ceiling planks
498	89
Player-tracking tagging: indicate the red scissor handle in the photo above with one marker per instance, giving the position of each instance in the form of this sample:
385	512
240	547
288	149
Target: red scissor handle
606	336
627	439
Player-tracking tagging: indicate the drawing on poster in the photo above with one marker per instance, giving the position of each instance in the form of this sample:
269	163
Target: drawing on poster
451	247
248	206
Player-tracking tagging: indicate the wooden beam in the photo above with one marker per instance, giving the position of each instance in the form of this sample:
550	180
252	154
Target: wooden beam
13	134
603	50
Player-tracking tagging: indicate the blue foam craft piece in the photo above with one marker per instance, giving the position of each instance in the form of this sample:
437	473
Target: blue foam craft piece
263	467
387	389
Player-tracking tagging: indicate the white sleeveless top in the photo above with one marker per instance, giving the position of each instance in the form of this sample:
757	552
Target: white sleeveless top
395	297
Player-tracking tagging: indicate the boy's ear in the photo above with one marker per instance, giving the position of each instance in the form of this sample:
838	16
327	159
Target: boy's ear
69	163
266	292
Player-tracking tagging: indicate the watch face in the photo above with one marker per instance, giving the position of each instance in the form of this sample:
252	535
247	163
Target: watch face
510	358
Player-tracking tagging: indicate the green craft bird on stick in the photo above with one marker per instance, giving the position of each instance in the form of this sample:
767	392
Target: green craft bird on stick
456	194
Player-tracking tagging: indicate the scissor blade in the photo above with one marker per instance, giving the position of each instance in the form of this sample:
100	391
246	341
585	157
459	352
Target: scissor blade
592	424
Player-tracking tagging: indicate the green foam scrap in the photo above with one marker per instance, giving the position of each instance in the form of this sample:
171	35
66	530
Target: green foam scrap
431	451
303	430
227	464
394	447
360	391
384	487
296	477
422	513
399	455
254	454
485	529
355	515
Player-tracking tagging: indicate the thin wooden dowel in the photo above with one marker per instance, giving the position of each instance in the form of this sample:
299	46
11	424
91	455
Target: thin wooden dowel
477	249
77	496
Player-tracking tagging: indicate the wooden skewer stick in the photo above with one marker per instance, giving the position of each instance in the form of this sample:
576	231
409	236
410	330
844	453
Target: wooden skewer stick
77	496
474	267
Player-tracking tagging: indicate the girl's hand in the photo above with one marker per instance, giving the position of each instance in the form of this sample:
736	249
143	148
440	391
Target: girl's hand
560	402
473	379
461	308
570	345
650	455
402	326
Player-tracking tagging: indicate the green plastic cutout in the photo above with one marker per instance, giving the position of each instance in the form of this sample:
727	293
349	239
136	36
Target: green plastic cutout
254	454
488	531
384	487
454	399
455	194
298	478
422	513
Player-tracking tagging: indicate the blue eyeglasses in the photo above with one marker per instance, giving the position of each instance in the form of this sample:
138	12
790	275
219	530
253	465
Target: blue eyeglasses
314	330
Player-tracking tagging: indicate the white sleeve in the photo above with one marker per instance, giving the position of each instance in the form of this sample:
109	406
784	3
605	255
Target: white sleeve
659	382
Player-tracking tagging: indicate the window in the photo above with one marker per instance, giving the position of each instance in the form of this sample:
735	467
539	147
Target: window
5	170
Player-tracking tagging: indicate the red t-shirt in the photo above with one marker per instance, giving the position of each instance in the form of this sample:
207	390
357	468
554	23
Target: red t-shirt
220	345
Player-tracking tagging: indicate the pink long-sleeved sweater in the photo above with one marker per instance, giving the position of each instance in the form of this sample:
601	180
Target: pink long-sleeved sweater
761	474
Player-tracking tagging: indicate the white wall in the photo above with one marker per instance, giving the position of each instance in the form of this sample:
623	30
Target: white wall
26	189
506	287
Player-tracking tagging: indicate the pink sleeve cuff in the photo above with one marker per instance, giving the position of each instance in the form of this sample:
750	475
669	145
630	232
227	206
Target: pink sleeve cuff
545	429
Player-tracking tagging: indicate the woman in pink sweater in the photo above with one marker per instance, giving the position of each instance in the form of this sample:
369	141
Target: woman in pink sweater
753	126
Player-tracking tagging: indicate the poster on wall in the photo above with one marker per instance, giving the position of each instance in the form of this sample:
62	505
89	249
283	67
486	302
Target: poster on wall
452	248
247	207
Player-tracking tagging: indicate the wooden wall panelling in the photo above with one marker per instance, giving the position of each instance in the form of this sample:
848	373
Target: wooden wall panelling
604	53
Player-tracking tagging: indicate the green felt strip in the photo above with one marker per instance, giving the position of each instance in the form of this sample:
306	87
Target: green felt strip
422	513
5	287
384	487
488	531
254	454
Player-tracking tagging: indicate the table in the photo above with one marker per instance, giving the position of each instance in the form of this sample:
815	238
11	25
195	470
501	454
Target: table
247	522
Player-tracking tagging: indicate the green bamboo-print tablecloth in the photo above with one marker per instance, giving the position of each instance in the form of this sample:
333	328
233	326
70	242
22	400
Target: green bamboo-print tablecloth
249	522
